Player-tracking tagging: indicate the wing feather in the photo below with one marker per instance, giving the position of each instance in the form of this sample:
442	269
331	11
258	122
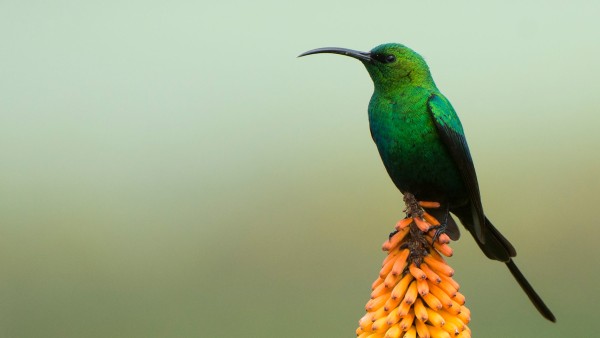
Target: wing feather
451	133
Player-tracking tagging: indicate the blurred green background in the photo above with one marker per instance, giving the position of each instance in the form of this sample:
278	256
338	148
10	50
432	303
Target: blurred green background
171	169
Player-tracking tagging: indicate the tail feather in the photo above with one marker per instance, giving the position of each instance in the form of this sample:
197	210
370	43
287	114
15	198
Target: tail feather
497	247
533	296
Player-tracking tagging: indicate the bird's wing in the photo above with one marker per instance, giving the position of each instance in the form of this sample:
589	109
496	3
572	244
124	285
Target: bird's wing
451	133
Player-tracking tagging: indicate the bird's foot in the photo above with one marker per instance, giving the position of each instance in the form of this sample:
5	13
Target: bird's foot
439	230
392	234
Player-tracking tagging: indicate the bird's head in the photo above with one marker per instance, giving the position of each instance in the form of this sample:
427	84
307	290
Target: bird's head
391	65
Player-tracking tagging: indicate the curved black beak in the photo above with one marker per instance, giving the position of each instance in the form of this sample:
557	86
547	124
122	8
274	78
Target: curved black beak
362	56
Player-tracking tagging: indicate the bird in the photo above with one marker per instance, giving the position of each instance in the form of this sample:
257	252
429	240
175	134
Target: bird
423	147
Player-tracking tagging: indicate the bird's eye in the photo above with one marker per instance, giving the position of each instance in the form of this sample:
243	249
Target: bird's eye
390	58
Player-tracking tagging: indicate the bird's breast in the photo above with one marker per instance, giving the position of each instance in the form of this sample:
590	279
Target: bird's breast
410	148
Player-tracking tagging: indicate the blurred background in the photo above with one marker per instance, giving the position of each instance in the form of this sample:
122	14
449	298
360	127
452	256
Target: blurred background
171	169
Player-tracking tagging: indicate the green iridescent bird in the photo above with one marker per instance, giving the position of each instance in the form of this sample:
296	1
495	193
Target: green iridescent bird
423	147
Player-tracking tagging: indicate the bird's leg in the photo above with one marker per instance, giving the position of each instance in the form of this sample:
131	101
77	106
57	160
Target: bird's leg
440	229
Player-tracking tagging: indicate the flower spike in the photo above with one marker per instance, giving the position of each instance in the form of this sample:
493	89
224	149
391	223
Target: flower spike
415	294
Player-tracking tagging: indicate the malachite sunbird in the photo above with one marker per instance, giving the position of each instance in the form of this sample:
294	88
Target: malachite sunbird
423	147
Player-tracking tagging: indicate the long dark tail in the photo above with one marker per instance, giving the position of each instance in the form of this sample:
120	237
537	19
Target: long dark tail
497	247
533	296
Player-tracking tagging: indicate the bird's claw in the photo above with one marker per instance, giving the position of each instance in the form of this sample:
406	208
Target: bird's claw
439	230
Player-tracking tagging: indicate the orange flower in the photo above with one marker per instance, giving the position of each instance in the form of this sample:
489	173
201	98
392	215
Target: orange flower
415	295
